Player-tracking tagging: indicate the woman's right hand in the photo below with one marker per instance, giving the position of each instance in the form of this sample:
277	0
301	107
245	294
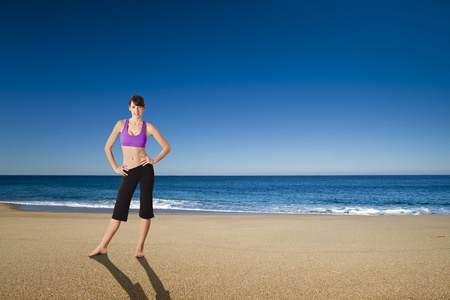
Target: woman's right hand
122	170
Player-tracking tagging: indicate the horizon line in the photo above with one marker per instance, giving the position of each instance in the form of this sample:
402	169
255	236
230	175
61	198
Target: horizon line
231	175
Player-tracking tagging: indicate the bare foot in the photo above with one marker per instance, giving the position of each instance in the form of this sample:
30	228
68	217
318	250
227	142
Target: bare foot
98	251
139	253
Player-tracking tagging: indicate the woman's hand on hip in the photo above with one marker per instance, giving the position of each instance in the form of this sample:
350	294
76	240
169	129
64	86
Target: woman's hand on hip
145	160
122	170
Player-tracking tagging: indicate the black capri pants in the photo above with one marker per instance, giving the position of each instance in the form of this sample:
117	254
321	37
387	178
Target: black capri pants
145	176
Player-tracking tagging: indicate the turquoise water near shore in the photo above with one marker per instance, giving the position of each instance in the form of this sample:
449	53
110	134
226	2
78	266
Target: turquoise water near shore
329	195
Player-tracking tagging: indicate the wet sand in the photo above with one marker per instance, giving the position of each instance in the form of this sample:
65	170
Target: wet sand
45	255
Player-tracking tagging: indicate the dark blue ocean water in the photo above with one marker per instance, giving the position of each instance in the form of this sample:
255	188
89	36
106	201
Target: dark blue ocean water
335	195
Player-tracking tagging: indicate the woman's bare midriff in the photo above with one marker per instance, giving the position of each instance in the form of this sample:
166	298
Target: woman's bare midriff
132	156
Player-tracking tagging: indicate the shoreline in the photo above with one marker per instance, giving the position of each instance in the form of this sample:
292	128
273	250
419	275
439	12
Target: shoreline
100	210
226	257
133	211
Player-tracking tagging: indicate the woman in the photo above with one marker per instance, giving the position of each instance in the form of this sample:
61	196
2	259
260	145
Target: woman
137	168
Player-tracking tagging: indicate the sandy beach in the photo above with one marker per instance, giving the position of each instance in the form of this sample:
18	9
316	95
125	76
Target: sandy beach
45	256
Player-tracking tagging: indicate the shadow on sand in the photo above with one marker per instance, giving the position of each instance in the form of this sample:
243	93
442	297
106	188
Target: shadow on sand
134	291
158	286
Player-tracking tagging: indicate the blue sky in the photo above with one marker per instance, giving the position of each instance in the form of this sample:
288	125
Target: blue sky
236	87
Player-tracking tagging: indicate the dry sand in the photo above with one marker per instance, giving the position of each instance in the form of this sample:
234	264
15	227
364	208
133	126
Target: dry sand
45	256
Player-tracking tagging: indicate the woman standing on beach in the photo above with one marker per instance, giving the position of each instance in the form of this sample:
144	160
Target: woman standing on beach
137	168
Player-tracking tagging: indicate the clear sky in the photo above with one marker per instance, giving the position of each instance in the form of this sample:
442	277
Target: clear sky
237	87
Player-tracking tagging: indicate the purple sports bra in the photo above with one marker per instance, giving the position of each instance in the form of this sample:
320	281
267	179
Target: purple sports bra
128	140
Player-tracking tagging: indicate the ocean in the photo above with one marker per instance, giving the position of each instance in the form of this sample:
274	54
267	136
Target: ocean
316	195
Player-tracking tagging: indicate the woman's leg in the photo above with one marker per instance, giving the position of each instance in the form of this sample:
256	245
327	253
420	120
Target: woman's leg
143	232
146	206
109	233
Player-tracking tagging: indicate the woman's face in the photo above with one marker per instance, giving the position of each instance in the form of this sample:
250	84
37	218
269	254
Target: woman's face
136	110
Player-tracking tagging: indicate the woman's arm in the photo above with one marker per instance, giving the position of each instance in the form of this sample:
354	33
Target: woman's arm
153	131
108	149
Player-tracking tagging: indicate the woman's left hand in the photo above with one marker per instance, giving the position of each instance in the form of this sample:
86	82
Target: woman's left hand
145	160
